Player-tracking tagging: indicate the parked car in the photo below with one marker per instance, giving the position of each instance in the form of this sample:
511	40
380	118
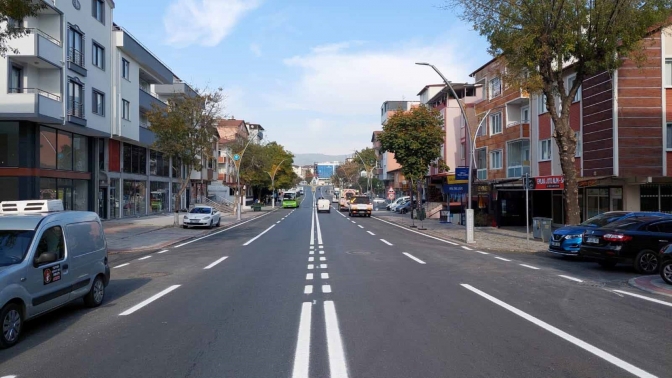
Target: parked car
202	215
392	206
379	203
637	241
567	240
405	207
666	263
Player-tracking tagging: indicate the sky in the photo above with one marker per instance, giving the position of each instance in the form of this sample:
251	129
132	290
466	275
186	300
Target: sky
313	73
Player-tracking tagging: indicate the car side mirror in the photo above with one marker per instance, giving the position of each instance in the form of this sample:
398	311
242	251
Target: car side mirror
46	258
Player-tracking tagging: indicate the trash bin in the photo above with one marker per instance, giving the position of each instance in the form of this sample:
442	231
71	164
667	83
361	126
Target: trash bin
443	216
546	229
536	227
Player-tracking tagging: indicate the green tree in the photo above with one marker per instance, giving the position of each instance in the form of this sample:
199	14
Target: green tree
415	137
185	130
539	40
12	13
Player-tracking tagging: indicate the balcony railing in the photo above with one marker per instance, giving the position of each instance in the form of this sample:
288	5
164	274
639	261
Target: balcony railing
75	108
36	90
43	34
156	96
76	56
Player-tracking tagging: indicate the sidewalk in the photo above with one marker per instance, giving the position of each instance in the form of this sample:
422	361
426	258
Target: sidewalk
486	238
153	232
652	284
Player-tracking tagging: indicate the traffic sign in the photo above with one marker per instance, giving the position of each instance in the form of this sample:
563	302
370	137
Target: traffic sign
236	157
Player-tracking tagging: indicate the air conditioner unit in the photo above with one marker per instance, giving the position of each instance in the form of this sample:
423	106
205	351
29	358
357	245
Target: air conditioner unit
31	206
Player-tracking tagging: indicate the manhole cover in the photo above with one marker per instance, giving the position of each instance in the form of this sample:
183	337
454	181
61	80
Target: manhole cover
154	275
358	252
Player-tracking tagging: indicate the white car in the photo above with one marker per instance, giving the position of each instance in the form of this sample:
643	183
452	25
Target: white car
202	216
392	206
323	204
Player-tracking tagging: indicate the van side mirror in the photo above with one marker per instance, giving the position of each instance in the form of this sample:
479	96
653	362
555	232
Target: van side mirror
46	258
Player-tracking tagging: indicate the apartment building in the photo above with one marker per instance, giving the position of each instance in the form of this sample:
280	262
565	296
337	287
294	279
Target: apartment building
256	132
390	172
229	131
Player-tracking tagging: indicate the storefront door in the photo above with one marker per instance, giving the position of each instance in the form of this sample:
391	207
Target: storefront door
102	203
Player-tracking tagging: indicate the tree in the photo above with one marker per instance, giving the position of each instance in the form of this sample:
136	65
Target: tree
12	12
367	160
186	131
539	40
415	137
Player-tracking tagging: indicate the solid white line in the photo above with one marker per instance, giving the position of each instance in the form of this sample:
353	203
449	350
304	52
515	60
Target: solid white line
571	278
501	258
310	259
529	266
323	259
319	232
145	258
371	233
321	252
308	289
216	262
302	354
414	258
258	236
415	232
337	364
148	301
645	298
164	251
310	266
121	266
326	288
312	229
323	266
219	232
360	226
324	276
386	242
309	276
483	253
467	248
578	342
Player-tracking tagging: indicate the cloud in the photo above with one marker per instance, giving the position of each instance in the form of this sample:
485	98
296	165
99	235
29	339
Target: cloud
256	49
203	22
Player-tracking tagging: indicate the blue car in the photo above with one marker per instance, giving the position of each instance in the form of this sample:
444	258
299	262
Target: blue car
567	240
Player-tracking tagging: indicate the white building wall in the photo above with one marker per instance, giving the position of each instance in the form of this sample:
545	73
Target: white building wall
128	90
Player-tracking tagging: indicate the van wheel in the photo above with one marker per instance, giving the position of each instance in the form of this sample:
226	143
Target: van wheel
646	262
12	322
94	297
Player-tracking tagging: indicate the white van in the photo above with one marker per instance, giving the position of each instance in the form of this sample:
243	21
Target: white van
48	258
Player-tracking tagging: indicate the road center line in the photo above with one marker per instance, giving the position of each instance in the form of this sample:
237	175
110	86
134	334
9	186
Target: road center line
371	233
529	266
308	289
145	258
164	251
386	242
578	342
413	258
324	276
216	262
319	232
311	266
309	276
312	229
644	298
501	258
121	266
337	364
570	278
302	354
323	266
148	301
258	236
326	288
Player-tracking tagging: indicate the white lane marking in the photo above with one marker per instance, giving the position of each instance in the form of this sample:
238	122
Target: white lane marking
277	222
529	266
354	222
415	232
324	276
121	266
386	242
323	266
360	226
467	248
501	258
321	246
323	259
308	289
145	258
483	253
310	266
312	247
309	276
258	236
371	233
302	355
319	232
644	297
337	364
321	252
219	232
570	278
312	228
148	301
216	262
414	258
311	252
326	288
578	342
311	259
164	251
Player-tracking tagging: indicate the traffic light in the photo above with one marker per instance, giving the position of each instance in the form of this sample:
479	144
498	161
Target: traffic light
528	182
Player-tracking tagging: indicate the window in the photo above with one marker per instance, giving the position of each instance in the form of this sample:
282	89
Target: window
47	148
64	151
9	144
668	143
517	158
668	72
98	58
84	238
525	114
135	159
496	124
98	7
98	103
481	164
158	164
16	80
75	46
125	69
570	82
496	159
101	154
75	99
578	151
495	87
51	241
80	147
126	110
463	150
541	101
545	150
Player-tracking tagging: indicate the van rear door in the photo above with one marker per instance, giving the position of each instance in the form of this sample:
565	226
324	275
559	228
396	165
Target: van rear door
86	245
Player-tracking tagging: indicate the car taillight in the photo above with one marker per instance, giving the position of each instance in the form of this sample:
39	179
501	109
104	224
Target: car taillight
617	237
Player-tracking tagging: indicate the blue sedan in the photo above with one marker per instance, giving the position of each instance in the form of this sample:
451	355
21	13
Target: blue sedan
567	240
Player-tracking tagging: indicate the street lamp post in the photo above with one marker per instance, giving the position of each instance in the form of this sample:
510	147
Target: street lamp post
236	163
369	172
470	212
275	171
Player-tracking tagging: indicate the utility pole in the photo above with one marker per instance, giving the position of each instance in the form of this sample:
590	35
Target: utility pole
275	171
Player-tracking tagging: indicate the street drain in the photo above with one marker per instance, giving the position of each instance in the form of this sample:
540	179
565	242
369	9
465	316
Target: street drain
154	275
358	252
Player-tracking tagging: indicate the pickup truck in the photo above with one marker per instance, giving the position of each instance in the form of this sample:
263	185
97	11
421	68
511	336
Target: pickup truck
346	196
361	206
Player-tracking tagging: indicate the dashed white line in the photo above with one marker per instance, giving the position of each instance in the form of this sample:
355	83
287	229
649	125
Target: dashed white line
302	354
258	236
324	276
337	364
312	247
311	252
321	247
578	342
386	242
219	232
121	266
413	258
326	288
145	258
309	276
501	258
323	259
353	222
371	233
321	252
483	253
148	300
323	266
277	222
216	262
570	278
415	232
311	266
308	289
644	297
164	251
529	266
467	248
311	259
360	226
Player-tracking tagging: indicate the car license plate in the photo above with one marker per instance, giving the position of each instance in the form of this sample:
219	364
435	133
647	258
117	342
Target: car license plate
555	244
592	240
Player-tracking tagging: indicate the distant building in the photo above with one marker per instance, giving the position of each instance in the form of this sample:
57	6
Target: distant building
324	171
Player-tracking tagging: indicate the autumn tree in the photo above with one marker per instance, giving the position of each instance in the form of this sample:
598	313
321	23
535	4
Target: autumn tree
415	137
12	13
539	41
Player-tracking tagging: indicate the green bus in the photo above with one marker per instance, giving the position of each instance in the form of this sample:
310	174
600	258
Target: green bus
289	200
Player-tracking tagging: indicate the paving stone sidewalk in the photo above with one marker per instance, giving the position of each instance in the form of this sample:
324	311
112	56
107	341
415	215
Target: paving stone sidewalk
487	238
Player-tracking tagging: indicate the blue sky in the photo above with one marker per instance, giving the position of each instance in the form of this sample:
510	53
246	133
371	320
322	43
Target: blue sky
313	73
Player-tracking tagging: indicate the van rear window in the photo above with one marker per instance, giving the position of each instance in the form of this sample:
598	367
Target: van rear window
84	237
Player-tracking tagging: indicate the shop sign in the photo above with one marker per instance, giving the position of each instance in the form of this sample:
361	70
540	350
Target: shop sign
583	184
482	189
549	182
455	188
462	174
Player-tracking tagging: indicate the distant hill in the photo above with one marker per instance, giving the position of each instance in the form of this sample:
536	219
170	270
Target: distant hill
306	159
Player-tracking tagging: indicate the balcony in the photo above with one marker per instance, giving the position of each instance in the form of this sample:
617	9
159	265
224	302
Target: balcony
76	112
148	99
37	49
31	104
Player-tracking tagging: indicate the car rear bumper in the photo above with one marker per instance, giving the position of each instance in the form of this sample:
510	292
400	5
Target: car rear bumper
603	254
360	211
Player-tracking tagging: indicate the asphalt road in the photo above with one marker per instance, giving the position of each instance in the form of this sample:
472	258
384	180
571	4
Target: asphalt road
298	294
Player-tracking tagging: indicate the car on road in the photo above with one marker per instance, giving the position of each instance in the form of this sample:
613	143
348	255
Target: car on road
323	204
567	240
202	216
392	205
48	258
666	263
346	196
360	205
289	200
637	241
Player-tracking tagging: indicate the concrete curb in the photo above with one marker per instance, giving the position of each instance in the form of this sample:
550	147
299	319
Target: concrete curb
651	284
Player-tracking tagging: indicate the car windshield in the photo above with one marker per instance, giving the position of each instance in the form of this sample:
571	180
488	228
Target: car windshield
14	246
200	210
603	219
361	200
288	196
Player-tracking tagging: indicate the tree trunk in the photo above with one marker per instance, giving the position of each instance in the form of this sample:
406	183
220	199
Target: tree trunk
566	141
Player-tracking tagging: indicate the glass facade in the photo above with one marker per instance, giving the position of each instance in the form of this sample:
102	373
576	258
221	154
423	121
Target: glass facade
135	159
159	165
158	196
135	198
9	144
656	198
9	188
47	148
114	198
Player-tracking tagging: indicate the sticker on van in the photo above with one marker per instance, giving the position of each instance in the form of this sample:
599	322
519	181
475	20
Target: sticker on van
52	274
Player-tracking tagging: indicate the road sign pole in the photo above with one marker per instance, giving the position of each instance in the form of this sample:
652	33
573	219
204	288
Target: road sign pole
527	205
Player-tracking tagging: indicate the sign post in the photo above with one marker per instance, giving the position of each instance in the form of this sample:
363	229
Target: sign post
463	174
527	182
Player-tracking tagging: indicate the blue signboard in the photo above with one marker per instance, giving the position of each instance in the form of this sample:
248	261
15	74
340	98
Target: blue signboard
462	174
455	188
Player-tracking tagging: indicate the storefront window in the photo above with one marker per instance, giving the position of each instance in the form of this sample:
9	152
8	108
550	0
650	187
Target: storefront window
9	144
65	192
135	159
648	198
47	148
158	164
597	201
80	146
64	148
80	192
176	190
114	198
9	189
158	196
135	198
48	188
